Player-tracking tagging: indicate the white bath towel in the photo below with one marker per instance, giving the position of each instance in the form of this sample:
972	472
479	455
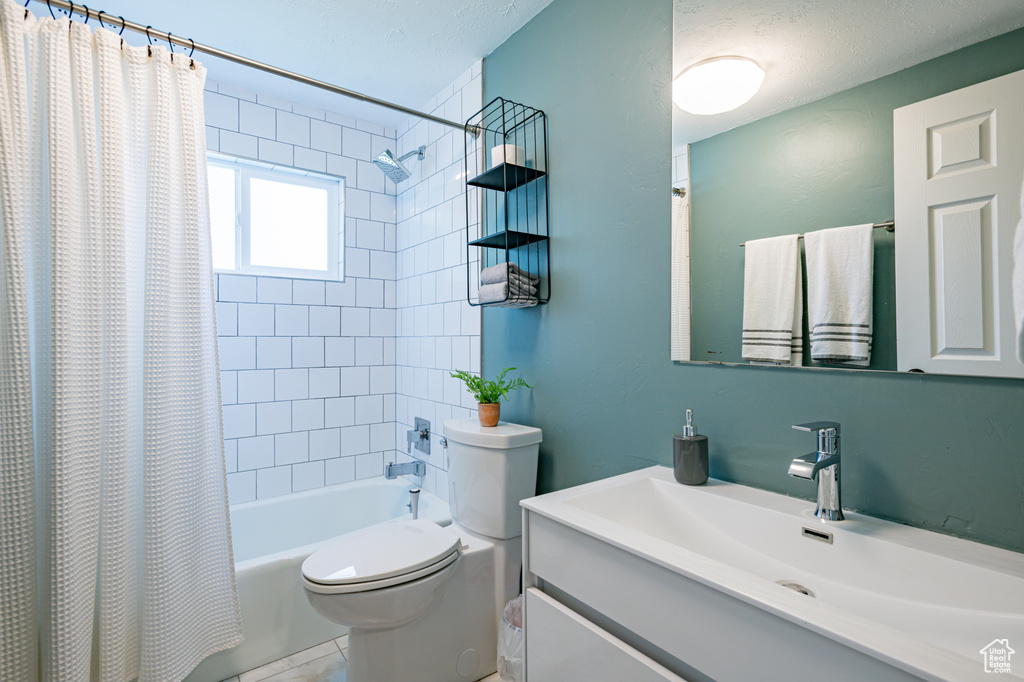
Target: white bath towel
507	272
840	270
507	295
773	301
1018	279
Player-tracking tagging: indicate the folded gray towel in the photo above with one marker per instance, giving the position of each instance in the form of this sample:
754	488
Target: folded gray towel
509	297
505	272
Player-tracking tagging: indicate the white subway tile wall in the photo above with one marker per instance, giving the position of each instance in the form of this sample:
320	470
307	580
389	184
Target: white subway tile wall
282	346
433	316
320	380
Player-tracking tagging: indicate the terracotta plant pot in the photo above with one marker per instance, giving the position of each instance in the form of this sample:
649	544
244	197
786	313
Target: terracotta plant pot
489	413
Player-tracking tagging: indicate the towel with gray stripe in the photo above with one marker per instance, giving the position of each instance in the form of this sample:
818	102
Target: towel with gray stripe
840	269
508	285
773	302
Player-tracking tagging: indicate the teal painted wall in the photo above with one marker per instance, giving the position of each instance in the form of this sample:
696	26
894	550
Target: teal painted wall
938	452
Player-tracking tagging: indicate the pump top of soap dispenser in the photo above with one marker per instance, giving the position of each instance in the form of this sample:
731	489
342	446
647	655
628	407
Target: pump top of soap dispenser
689	431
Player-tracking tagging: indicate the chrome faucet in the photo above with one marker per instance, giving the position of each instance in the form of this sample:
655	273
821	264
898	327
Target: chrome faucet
822	466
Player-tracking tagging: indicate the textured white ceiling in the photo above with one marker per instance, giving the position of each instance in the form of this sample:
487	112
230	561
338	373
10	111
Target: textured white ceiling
404	51
813	48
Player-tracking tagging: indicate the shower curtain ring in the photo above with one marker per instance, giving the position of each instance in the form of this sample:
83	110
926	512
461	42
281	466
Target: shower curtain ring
170	45
26	8
99	18
50	7
121	32
86	13
192	62
149	49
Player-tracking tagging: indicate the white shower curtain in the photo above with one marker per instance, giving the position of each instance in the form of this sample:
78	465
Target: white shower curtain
115	554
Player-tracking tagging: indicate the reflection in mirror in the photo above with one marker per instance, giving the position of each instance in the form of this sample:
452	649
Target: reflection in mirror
680	320
814	149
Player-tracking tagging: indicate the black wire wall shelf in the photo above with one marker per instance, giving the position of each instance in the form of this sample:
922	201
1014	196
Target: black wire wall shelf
507	206
506	177
507	239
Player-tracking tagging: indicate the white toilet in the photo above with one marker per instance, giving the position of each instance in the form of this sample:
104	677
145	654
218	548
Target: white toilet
423	601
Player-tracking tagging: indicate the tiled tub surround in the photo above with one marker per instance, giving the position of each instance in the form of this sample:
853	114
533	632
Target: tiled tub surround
438	331
321	379
308	374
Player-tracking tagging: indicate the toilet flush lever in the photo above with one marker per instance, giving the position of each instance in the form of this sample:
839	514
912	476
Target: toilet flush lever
419	436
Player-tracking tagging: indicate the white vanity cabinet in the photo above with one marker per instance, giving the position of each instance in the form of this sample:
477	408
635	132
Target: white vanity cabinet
637	578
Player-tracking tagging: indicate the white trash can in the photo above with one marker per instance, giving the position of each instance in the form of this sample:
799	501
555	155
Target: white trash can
511	642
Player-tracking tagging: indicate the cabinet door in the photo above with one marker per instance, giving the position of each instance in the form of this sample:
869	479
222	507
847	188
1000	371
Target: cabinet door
959	163
563	646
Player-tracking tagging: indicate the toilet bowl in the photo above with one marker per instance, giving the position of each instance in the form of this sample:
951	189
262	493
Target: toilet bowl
423	601
384	575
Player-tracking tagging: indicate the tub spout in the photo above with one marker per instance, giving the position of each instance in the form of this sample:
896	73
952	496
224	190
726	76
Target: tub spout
413	468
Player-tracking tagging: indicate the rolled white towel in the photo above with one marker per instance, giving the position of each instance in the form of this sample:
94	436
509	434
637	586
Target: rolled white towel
506	272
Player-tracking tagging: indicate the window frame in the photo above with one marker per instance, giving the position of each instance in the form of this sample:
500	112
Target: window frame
245	170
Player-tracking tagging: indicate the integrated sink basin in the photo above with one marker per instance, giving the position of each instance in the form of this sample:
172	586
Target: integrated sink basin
922	603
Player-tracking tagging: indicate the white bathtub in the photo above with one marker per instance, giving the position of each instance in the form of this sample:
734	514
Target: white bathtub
271	538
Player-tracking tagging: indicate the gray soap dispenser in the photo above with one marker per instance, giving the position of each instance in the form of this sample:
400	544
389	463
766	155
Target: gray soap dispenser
690	455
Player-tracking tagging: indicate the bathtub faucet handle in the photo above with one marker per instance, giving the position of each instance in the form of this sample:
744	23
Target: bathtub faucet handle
419	436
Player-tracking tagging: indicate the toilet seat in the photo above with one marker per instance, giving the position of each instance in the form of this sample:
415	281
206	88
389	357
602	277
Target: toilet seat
380	556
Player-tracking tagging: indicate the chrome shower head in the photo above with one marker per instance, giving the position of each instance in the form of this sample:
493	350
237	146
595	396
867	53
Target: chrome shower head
394	168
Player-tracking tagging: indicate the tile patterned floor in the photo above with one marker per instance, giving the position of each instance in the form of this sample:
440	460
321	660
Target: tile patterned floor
325	662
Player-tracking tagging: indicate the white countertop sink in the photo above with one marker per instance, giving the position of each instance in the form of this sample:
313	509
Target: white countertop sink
925	602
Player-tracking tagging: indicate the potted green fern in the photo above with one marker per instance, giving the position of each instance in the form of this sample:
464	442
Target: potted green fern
487	393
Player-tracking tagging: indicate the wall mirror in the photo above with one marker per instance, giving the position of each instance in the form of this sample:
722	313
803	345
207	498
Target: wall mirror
814	148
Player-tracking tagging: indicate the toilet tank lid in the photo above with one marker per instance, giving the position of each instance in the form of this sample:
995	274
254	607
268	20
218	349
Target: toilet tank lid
501	437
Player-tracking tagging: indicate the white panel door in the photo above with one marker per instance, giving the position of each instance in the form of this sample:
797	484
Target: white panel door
959	163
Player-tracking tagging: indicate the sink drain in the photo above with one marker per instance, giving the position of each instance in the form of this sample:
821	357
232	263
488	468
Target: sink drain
796	587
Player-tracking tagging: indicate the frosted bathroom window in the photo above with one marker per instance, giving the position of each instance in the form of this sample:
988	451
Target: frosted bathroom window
288	225
275	221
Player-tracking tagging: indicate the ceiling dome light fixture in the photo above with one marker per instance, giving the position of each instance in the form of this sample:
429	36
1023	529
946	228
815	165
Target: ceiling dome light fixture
717	85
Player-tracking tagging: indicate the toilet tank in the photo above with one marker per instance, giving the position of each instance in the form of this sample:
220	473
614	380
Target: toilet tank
490	469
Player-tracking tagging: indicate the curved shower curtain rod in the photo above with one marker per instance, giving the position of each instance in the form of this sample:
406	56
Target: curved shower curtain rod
244	61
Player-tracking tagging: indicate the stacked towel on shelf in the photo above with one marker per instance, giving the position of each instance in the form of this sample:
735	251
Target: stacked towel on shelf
508	285
773	302
840	270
